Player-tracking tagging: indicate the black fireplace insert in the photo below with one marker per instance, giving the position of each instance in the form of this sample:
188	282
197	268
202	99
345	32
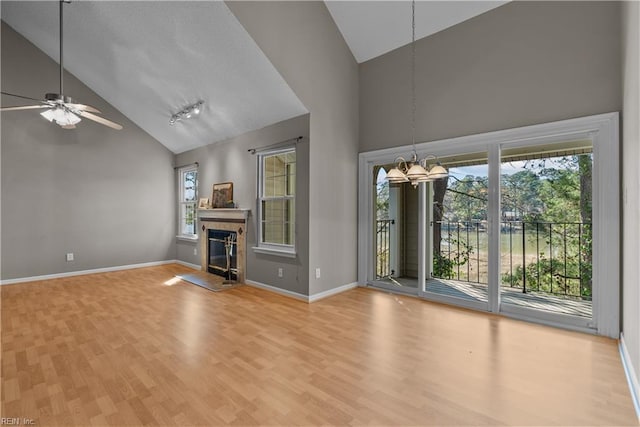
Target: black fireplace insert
223	253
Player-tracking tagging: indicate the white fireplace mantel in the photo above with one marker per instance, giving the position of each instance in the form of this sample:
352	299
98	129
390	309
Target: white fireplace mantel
223	213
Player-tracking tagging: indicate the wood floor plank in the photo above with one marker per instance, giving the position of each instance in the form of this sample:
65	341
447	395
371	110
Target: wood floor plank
135	348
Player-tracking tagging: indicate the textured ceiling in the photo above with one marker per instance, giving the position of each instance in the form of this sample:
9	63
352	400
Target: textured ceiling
150	59
372	28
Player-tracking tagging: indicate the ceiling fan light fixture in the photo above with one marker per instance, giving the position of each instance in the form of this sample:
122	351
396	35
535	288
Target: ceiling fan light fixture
68	119
61	116
62	109
49	115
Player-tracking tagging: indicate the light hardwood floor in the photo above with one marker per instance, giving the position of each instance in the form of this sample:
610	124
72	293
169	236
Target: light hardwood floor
125	348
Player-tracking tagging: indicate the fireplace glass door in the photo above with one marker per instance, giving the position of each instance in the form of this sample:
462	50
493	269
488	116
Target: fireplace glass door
222	253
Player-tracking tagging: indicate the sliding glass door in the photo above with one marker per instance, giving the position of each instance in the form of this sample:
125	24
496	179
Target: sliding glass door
546	234
395	234
457	239
526	224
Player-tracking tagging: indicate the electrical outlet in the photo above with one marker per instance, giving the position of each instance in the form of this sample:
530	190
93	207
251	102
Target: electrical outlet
70	256
280	272
317	273
195	251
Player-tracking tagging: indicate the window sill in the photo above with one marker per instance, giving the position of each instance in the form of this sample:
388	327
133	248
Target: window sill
191	239
275	252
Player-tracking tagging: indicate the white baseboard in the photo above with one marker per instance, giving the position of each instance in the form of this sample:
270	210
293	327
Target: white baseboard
264	286
630	372
92	271
301	297
339	289
188	264
284	292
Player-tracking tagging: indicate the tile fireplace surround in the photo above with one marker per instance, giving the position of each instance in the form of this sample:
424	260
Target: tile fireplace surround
228	220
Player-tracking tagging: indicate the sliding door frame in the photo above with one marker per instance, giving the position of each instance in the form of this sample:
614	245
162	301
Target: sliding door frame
602	130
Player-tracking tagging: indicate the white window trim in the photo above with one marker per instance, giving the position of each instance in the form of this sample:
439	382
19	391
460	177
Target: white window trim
602	129
287	251
187	237
273	251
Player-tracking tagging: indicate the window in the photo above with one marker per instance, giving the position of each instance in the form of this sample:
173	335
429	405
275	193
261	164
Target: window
187	188
277	189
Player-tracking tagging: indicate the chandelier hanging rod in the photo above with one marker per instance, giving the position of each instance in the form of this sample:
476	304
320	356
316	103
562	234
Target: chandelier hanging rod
415	170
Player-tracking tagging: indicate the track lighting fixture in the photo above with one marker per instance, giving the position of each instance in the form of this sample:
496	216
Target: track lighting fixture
186	113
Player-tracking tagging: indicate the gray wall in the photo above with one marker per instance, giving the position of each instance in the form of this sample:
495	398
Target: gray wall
105	195
303	43
631	182
520	64
230	161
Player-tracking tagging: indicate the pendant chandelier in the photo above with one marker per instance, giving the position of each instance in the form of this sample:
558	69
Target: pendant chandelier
415	170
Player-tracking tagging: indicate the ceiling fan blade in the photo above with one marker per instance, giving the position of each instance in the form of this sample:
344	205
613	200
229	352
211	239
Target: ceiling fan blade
68	126
20	96
83	107
100	120
24	107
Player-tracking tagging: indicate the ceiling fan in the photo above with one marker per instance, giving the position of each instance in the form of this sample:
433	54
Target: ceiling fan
62	109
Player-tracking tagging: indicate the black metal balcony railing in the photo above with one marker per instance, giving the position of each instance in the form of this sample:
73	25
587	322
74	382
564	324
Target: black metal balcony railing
553	258
556	257
383	248
547	257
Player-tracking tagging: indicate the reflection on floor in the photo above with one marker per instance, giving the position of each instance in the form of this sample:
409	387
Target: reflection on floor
512	296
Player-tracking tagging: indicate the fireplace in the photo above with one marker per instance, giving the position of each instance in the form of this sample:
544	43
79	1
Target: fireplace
221	231
223	253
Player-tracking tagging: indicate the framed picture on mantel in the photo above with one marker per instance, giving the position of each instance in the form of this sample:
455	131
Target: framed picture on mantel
222	195
204	204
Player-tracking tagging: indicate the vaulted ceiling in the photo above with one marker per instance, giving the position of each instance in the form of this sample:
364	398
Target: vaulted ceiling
372	28
150	59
